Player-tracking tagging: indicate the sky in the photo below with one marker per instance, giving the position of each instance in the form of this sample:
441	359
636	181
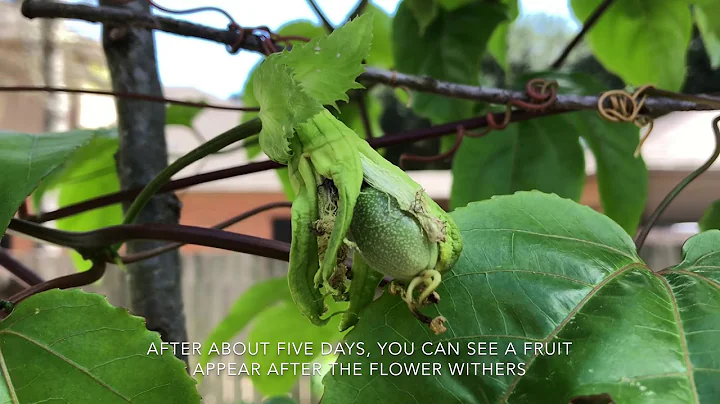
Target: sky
207	66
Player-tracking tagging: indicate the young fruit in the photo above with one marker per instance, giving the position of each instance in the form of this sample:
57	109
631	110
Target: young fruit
391	240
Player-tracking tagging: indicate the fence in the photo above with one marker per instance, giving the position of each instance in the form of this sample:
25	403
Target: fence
212	282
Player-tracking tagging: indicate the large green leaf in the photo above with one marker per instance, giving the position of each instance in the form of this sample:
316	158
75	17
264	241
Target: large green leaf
424	12
536	268
450	49
709	29
26	159
542	154
695	300
91	173
711	217
74	160
74	347
285	323
642	41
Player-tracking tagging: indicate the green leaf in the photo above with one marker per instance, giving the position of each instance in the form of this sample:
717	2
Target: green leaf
622	178
709	29
285	323
542	154
284	178
449	50
536	268
182	115
283	105
26	159
642	41
424	11
711	217
381	52
327	67
695	286
498	45
451	5
256	299
269	307
90	173
316	381
74	347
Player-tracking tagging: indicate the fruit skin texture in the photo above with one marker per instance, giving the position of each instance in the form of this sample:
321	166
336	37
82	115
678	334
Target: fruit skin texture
393	241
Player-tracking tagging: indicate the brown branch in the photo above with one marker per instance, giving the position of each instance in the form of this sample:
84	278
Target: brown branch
653	105
92	244
251	42
133	96
129	259
129	194
110	15
23	210
64	282
93	241
589	23
16	268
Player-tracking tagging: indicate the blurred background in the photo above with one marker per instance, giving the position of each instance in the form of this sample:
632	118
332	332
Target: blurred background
70	54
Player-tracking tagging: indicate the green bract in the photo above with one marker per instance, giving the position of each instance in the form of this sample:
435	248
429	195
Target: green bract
397	230
354	199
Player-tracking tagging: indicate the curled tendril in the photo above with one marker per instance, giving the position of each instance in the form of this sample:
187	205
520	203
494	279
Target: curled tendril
542	94
626	107
266	37
393	84
438	157
492	123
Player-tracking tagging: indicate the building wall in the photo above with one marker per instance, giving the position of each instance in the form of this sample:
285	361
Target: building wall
206	209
